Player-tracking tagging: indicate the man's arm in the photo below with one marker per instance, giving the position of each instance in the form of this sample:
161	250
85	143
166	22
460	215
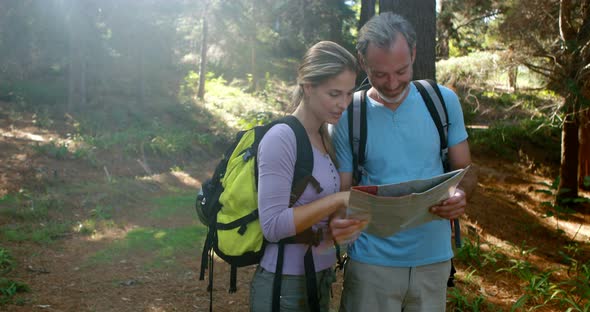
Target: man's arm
459	158
454	207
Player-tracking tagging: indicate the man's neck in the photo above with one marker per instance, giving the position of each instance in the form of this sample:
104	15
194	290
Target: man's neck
392	104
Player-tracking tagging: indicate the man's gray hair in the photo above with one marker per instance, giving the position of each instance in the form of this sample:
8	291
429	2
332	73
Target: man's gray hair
382	30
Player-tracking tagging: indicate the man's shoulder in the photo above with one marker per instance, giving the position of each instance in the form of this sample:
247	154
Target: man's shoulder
446	91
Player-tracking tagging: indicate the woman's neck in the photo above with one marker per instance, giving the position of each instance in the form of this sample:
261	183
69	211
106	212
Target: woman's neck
309	121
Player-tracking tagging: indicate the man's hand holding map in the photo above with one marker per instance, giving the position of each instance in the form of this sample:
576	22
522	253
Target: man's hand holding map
392	208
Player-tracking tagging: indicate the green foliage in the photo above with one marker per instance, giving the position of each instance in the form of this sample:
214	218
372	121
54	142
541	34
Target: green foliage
10	288
475	69
159	245
473	253
155	138
253	118
470	252
238	109
24	206
574	293
6	261
42	119
505	140
36	93
484	70
560	210
462	302
100	218
53	150
102	212
43	233
189	88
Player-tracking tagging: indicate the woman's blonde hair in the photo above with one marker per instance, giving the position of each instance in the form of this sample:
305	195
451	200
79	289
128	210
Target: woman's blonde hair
323	61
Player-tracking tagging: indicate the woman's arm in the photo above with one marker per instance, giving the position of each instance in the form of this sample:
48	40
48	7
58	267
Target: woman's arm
276	164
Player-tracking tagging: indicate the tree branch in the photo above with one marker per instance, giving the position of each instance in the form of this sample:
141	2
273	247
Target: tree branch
584	71
475	19
585	52
543	71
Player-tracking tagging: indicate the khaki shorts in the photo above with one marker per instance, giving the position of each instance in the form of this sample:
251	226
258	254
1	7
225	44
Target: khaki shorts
379	288
293	291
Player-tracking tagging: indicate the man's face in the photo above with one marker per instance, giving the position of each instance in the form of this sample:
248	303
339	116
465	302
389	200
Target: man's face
390	69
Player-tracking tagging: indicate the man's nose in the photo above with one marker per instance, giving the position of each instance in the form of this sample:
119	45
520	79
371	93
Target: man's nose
392	82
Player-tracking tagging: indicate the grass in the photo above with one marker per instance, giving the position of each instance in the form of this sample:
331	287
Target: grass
42	233
159	245
26	207
179	205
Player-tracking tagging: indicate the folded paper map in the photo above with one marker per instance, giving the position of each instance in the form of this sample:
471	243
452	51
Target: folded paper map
391	208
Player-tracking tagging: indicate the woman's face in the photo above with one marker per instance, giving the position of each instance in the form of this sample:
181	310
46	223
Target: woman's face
329	99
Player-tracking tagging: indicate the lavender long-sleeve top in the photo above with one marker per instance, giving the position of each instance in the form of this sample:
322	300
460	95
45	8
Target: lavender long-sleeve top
276	164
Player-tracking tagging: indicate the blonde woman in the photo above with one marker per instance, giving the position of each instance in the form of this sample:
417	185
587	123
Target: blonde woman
325	84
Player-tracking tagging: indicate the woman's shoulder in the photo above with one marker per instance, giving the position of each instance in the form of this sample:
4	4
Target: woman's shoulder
279	138
280	133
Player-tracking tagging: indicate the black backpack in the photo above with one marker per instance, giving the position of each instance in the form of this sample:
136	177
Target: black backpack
357	133
239	241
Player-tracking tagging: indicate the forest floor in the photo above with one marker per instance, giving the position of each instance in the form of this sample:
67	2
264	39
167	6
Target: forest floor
136	256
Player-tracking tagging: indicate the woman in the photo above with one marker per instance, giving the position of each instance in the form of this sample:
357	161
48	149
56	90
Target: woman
325	84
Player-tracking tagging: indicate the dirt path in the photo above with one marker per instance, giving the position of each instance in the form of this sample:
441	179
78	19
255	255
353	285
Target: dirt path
104	272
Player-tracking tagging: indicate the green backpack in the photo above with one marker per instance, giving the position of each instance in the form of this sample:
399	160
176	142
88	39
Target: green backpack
228	204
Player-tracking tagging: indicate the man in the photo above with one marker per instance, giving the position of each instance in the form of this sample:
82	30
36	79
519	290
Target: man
409	270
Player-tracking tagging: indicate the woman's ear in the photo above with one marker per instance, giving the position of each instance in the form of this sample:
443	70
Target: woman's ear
306	88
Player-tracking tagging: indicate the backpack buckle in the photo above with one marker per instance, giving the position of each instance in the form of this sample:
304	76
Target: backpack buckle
317	237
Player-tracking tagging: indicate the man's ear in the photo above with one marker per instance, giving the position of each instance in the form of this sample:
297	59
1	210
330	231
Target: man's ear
361	62
413	55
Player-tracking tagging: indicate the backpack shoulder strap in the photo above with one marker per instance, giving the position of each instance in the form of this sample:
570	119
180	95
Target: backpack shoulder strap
304	162
357	133
438	111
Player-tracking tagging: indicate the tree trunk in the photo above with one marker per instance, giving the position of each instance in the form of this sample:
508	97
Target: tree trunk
202	70
336	23
253	44
71	74
568	175
422	15
367	11
584	139
387	5
444	26
83	78
141	89
71	59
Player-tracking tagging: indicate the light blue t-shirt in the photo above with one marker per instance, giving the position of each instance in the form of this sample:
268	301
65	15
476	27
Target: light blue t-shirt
403	145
